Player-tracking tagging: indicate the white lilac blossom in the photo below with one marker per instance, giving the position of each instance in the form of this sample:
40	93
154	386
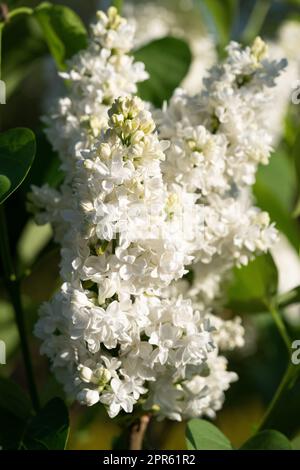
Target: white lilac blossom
96	76
217	140
139	206
107	332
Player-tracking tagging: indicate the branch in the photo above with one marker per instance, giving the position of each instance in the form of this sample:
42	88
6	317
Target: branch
137	433
13	287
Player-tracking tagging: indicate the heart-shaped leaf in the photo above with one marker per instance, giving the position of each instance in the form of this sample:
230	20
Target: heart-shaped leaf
202	435
167	61
17	151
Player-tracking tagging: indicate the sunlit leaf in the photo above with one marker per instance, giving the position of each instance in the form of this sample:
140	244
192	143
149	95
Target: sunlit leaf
63	30
253	285
275	191
202	435
167	61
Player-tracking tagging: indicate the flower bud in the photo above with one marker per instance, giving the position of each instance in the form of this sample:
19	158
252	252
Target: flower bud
88	397
85	374
101	376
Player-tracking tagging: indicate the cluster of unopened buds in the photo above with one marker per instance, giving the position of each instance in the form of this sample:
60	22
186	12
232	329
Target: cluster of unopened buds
149	196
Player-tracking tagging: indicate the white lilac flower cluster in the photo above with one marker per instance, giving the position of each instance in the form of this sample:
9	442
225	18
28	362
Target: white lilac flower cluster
142	200
217	140
96	77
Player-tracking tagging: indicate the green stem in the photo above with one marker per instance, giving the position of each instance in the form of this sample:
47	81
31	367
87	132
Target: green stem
290	373
280	325
256	20
283	386
13	288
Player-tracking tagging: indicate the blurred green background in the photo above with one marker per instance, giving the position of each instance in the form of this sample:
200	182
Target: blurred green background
31	80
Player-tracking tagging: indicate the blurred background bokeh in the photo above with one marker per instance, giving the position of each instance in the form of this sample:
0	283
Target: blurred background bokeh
32	82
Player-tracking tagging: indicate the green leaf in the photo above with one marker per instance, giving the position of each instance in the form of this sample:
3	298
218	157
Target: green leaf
270	202
5	184
23	51
219	17
296	442
46	166
11	430
15	410
296	155
296	160
202	435
49	429
296	211
14	399
64	31
167	61
292	2
285	412
253	285
268	440
17	151
279	173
